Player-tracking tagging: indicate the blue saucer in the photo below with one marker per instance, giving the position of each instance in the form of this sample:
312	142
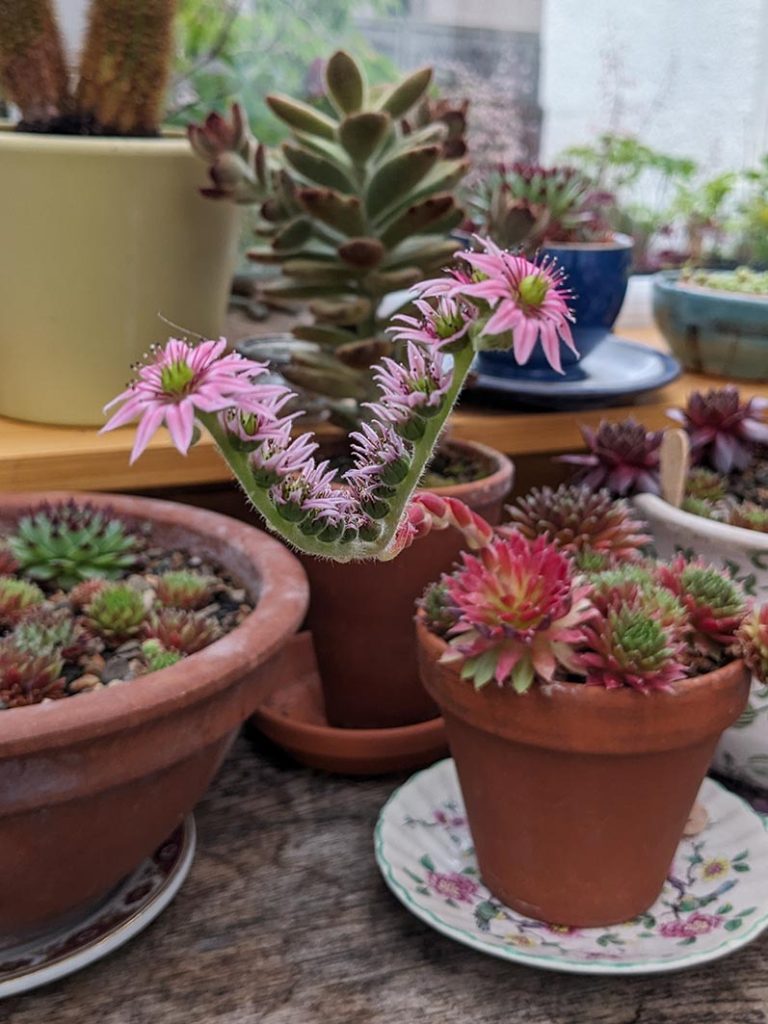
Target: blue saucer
615	371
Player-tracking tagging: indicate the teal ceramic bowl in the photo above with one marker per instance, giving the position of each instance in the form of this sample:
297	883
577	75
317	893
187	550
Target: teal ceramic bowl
713	332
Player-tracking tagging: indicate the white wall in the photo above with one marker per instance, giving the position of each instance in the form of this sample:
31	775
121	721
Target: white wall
511	15
689	77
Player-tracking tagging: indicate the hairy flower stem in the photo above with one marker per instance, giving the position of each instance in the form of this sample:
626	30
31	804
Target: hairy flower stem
357	549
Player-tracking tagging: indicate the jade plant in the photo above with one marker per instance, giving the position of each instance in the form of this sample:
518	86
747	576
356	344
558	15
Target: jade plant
120	84
491	298
352	207
527	205
520	612
89	601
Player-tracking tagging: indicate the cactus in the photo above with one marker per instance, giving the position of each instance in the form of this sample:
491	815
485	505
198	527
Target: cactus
33	74
352	208
125	65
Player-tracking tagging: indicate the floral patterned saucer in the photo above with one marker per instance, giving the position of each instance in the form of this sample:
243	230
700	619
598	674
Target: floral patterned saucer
128	910
714	901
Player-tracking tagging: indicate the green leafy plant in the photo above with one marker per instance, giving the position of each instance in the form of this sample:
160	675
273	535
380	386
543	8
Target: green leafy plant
123	72
157	657
184	588
182	631
67	542
742	280
17	599
351	209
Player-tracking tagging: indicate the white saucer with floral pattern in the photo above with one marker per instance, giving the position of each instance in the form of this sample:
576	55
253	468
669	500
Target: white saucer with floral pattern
714	901
128	910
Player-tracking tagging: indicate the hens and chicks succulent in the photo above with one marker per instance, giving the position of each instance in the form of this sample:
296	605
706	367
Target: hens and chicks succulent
83	605
566	591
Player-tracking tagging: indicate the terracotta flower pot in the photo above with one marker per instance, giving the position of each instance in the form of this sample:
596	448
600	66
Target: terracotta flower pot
361	615
91	784
577	796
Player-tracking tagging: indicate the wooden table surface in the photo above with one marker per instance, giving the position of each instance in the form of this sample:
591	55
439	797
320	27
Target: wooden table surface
35	456
285	919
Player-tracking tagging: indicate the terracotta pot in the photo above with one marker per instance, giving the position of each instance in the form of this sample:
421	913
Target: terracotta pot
361	615
90	785
577	796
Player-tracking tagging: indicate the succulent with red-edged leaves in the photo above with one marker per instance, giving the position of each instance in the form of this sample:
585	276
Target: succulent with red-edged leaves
716	603
753	641
748	516
26	677
578	519
629	646
17	599
157	657
724	431
83	593
623	457
519	613
117	612
183	631
184	588
705	484
436	606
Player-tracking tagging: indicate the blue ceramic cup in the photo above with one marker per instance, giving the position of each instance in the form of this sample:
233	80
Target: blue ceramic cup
597	273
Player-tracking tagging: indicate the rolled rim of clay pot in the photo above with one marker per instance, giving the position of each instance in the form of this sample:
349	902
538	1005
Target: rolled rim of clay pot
589	719
492	487
269	571
655	509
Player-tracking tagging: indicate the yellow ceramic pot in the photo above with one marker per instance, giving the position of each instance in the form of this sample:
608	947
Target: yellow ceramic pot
99	236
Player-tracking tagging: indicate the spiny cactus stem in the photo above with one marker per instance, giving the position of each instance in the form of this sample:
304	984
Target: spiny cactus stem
359	549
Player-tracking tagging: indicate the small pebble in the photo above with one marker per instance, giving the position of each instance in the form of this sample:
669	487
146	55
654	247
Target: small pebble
88	681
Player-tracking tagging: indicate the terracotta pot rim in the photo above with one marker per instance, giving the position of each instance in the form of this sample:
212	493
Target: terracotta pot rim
282	601
496	483
654	507
589	720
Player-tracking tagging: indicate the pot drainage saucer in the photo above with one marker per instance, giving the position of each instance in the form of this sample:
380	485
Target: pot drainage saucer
128	910
293	716
715	899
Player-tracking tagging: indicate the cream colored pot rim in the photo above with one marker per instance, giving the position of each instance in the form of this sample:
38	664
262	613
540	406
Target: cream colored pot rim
172	140
655	509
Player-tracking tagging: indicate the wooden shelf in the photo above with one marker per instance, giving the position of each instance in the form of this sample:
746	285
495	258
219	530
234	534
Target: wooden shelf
39	457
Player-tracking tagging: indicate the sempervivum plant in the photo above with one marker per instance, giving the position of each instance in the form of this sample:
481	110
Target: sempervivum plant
184	588
518	612
117	612
371	510
581	521
715	602
66	542
27	677
351	208
623	456
724	431
525	204
18	598
748	516
182	631
753	636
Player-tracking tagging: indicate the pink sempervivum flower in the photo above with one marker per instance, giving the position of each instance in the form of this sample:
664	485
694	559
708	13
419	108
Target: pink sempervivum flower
520	614
724	431
442	325
529	299
181	379
418	386
753	641
623	457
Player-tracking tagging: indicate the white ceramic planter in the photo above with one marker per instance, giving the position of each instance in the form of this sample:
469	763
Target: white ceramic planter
743	750
100	235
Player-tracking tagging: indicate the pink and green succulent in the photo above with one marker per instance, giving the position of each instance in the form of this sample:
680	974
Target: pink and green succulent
519	613
753	640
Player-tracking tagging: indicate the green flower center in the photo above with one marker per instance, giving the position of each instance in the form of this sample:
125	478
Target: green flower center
533	289
176	378
447	326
